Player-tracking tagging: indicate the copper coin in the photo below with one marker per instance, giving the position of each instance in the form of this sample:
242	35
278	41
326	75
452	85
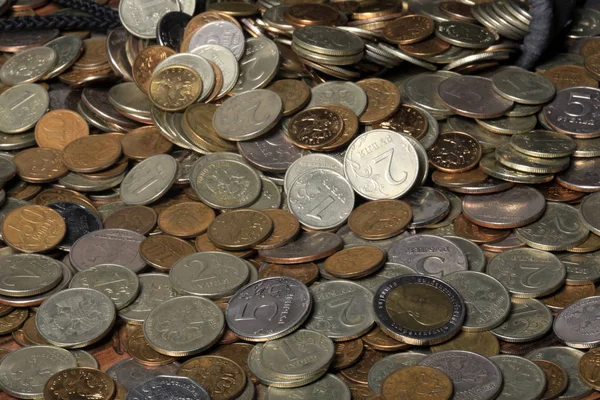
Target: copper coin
94	54
54	195
91	153
80	380
211	372
32	334
309	246
140	219
315	14
355	262
409	29
218	82
162	251
294	94
378	340
186	220
569	294
592	65
139	348
145	63
306	273
556	378
203	243
347	353
228	337
40	165
237	353
380	219
359	372
455	152
592	243
111	172
589	368
33	229
362	392
24	191
285	228
427	48
566	76
315	127
478	234
417	383
58	128
240	229
451	180
552	191
78	78
457	10
145	142
407	119
350	126
383	99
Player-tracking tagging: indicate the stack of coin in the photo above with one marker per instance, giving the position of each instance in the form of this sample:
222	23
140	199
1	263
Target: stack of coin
509	18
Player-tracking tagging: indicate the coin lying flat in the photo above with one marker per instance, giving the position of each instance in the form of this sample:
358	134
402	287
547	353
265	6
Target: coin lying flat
587	368
562	118
384	367
169	387
129	373
399	384
43	273
155	289
78	380
222	378
523	86
149	180
575	326
117	282
329	384
465	94
522	378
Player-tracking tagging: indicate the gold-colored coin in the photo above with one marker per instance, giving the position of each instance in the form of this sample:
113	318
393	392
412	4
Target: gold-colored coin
13	321
33	229
589	368
186	220
89	383
139	348
174	88
417	383
483	343
378	340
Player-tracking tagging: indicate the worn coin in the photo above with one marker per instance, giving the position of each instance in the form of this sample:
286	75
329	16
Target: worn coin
78	219
139	348
117	282
43	274
186	220
386	366
40	165
140	219
576	326
567	295
472	96
168	387
380	219
222	378
240	229
529	319
129	373
588	368
417	382
155	289
556	379
522	86
521	378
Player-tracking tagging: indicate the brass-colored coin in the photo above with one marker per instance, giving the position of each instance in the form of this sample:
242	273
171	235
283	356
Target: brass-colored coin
85	382
140	219
552	191
120	393
94	54
455	152
409	29
556	379
221	377
145	142
409	120
315	127
457	10
58	128
33	229
378	340
592	243
294	94
370	10
306	273
566	76
285	228
350	126
589	368
483	343
383	99
111	172
145	63
32	334
78	78
174	88
569	294
429	47
139	348
592	65
238	353
203	243
162	251
199	129
380	219
13	321
316	14
186	220
355	262
91	153
347	353
359	372
40	165
451	180
478	234
362	392
417	383
240	229
234	8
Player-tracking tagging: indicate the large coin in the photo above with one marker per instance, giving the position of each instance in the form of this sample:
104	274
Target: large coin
522	378
116	281
576	118
155	289
473	96
577	324
168	388
28	274
149	180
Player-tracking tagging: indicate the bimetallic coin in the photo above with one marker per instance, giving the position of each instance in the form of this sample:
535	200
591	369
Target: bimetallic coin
168	387
405	304
155	289
149	180
117	282
577	326
521	378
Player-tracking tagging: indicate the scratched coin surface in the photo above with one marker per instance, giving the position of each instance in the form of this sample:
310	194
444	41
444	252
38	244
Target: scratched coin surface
577	326
154	290
117	282
42	273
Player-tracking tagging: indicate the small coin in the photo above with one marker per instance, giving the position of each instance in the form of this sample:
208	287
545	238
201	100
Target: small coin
293	93
40	165
511	158
569	76
568	294
355	262
408	29
556	379
13	321
582	175
186	220
256	226
523	86
315	127
529	319
46	227
466	149
222	378
222	33
58	128
380	219
28	66
307	247
388	365
171	386
129	373
145	142
285	228
347	353
138	219
139	348
79	380
329	384
409	120
155	289
91	153
78	219
117	282
521	377
464	95
146	62
588	368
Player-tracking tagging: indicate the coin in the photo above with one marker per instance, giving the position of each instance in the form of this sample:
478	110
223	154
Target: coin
211	372
408	29
308	162
79	221
408	119
464	34
556	112
186	219
91	153
465	148
399	315
315	127
521	377
523	86
464	95
347	353
307	247
149	180
548	144
306	273
129	373
256	226
345	93
588	368
388	365
175	87
79	380
139	348
483	343
571	329
43	274
294	94
556	379
432	384
328	384
568	294
285	228
380	219
117	282
529	319
259	65
40	165
478	234
45	226
222	33
154	290
138	219
383	99
359	372
58	128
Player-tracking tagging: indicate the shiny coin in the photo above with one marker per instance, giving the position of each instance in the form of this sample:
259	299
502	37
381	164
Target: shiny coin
28	66
464	147
464	34
68	48
511	158
561	115
490	166
129	373
86	308
464	95
522	86
223	33
79	220
556	379
524	279
409	120
529	319
146	27
212	373
483	343
183	80
258	66
21	107
43	273
509	125
574	325
345	93
582	175
169	387
285	228
155	289
386	366
186	220
439	307
117	282
544	144
47	229
308	162
79	380
433	384
149	180
315	127
522	378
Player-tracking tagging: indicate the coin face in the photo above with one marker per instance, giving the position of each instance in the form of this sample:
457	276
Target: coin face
47	224
383	99
417	382
59	128
79	221
129	373
380	219
172	386
315	127
44	272
309	246
567	117
174	88
149	180
253	227
117	282
79	379
465	149
465	96
568	324
520	376
40	165
207	370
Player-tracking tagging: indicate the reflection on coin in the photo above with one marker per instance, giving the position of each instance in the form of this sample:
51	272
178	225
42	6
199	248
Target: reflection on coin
117	282
79	379
149	180
328	385
22	106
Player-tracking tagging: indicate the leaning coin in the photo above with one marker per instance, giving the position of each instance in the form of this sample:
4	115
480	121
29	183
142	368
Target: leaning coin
168	387
28	66
307	247
155	289
556	379
384	367
403	305
149	180
43	274
576	326
21	107
544	144
345	93
79	220
522	86
258	65
588	368
589	212
467	35
117	282
522	378
429	206
80	380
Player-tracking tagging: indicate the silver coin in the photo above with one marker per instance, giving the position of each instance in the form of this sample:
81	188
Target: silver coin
345	93
474	376
589	212
184	326
586	23
117	282
342	310
129	373
85	359
129	98
321	199
578	324
17	141
117	57
474	253
508	156
384	367
522	86
421	90
225	60
540	143
581	267
167	387
428	255
528	273
80	183
529	319
523	379
268	309
155	289
428	205
38	299
328	387
210	274
388	271
567	359
108	246
270	196
149	180
311	161
28	66
380	164
141	18
486	299
327	40
22	106
258	66
198	64
75	318
249	392
222	33
26	275
67	48
24	372
248	115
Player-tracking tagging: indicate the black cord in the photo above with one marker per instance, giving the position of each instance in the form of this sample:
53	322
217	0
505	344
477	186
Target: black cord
91	7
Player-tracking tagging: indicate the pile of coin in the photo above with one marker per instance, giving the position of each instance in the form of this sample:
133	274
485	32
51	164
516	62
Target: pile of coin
277	201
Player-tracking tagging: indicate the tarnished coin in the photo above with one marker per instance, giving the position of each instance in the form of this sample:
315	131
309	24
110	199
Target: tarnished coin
383	99
589	212
355	262
569	118
347	353
588	368
285	228
210	274
129	373
273	294
155	289
345	93
490	166
68	48
307	247
327	40
405	304
168	387
43	273
386	366
33	228
522	86
544	144
465	96
139	348
40	165
359	372
432	384
75	318
223	33
108	246
528	273
482	313
117	282
79	380
13	321
149	180
379	219
576	325
253	227
556	379
357	316
28	66
315	127
144	142
222	378
465	149
78	219
521	378
144	26
328	385
293	93
138	219
428	255
186	220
